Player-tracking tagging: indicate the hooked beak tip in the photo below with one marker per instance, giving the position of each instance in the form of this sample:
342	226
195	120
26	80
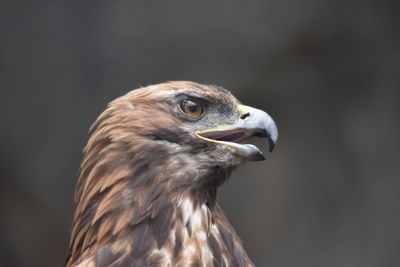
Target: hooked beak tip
272	136
271	144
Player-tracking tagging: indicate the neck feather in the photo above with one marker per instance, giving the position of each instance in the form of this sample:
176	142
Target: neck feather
137	209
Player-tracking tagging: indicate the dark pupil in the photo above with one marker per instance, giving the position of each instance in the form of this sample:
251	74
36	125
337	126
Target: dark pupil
192	106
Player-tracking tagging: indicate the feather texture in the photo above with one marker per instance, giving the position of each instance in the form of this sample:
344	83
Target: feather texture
146	195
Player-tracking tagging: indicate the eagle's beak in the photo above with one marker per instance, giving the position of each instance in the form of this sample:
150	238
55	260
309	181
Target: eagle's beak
251	122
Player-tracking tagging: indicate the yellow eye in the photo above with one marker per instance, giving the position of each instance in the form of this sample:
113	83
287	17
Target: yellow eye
192	109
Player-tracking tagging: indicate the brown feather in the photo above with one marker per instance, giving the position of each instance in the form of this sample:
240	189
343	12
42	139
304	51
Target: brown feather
140	199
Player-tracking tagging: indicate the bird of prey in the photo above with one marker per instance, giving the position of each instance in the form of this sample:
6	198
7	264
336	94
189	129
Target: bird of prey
147	191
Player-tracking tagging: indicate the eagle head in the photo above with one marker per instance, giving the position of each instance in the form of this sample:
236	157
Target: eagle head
156	155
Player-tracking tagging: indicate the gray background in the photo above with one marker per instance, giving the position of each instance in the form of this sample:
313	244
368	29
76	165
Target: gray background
326	70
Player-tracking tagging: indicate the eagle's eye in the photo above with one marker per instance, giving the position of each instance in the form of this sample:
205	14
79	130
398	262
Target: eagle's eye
191	108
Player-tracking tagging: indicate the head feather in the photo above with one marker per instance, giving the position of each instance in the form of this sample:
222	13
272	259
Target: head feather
140	165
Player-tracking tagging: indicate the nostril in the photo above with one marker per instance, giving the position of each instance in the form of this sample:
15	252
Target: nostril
244	116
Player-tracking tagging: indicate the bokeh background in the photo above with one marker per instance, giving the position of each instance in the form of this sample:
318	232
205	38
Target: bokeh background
326	70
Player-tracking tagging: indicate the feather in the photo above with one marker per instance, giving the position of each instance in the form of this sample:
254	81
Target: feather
146	195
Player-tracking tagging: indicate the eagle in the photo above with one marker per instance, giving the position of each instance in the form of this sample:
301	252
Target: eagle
147	189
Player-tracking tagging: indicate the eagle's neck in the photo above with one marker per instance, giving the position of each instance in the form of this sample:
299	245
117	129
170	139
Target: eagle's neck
200	234
134	213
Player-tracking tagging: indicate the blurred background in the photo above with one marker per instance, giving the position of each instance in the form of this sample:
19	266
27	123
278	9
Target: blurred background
326	70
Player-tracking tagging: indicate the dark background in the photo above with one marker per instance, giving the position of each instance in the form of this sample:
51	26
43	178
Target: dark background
326	70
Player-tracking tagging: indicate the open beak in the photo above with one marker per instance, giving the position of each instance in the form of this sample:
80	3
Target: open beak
251	122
